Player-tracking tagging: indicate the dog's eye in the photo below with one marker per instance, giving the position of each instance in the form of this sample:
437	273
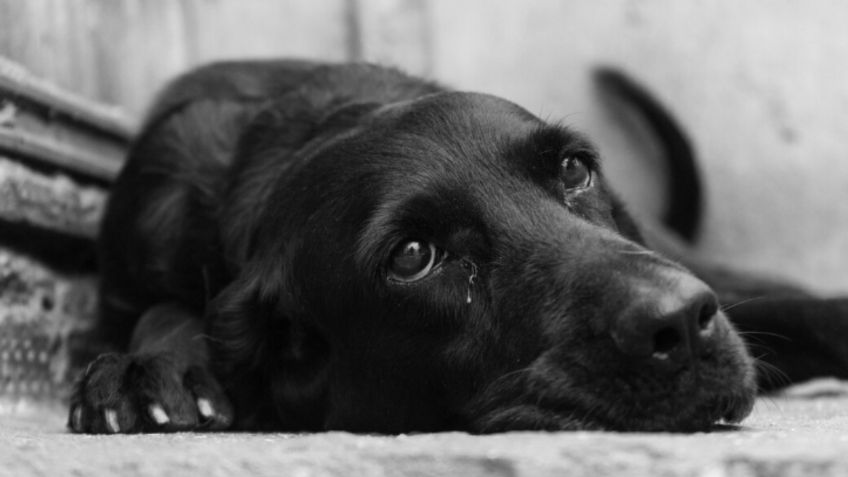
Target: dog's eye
413	260
575	173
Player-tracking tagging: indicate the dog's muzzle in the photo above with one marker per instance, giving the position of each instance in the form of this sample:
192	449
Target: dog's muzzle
669	322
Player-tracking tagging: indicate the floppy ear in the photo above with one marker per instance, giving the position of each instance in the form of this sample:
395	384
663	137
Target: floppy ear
272	361
266	151
272	364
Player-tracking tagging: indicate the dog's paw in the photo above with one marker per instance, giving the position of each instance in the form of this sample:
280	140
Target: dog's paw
146	393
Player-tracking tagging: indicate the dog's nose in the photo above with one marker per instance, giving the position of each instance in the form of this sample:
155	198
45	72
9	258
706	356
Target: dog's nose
667	322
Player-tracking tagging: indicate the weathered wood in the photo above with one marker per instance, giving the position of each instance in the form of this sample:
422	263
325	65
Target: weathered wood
43	123
48	139
40	312
55	202
17	84
121	52
61	156
282	28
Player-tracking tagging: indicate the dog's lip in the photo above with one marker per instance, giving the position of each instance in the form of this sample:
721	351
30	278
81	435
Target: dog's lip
580	409
735	414
581	417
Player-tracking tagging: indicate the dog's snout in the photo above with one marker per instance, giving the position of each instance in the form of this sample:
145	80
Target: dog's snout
667	322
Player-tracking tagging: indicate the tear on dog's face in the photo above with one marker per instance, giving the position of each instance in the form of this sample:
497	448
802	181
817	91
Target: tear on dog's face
459	264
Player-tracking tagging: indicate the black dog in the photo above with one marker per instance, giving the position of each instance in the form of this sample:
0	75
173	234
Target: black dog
302	246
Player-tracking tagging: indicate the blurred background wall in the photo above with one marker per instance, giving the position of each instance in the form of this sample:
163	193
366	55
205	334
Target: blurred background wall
760	85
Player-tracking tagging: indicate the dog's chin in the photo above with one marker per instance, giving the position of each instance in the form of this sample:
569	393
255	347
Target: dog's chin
697	410
720	391
702	417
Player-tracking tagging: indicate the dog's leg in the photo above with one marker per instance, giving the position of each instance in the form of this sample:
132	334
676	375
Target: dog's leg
162	384
794	339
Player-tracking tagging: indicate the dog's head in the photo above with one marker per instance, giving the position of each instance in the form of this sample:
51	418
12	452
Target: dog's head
453	262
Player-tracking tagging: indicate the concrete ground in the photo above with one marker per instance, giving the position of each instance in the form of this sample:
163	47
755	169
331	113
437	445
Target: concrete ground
801	433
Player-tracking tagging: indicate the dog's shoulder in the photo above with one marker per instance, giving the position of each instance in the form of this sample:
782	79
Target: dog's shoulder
238	81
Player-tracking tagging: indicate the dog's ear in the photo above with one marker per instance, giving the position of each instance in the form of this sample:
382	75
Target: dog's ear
271	363
266	151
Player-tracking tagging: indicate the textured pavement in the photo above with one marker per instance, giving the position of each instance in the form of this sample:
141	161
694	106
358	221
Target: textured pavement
804	433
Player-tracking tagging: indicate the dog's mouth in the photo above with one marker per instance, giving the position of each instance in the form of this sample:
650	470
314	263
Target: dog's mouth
714	412
699	411
564	393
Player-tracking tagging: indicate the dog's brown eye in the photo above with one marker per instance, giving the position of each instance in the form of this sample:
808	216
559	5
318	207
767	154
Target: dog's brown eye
412	260
575	173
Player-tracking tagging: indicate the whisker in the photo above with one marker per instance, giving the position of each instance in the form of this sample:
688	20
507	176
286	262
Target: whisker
772	373
506	377
637	252
759	347
754	334
769	399
742	302
207	337
589	414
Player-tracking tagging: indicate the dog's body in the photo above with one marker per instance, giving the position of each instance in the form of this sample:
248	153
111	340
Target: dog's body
301	246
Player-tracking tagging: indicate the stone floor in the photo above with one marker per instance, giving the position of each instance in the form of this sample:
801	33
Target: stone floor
801	433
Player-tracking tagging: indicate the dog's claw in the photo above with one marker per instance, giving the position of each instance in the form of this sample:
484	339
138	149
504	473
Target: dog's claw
205	408
158	414
111	417
112	399
76	419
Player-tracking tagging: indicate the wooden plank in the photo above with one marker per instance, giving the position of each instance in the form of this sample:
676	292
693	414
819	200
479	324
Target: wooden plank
266	29
54	202
61	156
17	84
42	123
138	45
117	52
395	32
41	311
122	52
51	38
135	47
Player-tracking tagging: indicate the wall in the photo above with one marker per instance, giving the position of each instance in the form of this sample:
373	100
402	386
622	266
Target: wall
760	85
121	51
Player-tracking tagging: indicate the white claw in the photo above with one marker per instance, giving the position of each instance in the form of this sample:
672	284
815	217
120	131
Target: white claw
77	419
158	414
112	421
205	408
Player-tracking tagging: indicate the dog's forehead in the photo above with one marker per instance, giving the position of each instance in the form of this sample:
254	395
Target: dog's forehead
462	138
460	161
446	134
453	115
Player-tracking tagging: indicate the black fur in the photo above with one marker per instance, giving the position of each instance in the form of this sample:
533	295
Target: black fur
249	237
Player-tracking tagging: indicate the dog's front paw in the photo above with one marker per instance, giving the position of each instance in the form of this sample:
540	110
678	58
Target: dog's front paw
146	393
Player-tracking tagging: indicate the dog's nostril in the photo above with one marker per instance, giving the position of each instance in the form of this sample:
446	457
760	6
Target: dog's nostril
707	313
665	340
667	323
705	320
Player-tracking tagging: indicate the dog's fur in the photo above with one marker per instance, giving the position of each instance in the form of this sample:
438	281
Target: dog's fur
248	257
